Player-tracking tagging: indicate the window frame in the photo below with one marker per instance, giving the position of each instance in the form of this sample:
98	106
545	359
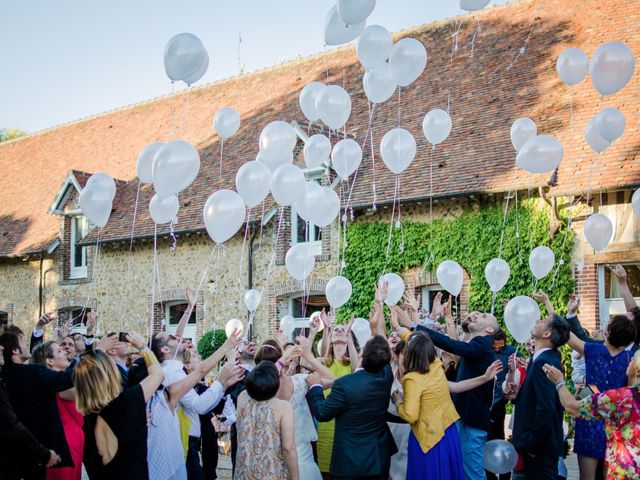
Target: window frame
188	327
76	272
613	305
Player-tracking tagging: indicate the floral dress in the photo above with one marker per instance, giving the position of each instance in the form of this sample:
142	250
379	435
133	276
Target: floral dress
620	410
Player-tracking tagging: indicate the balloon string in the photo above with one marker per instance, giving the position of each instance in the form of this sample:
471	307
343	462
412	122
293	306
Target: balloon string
326	64
153	283
94	275
493	302
393	211
475	34
221	150
399	104
175	110
341	196
133	226
244	242
261	226
530	233
186	112
518	231
373	166
433	149
364	143
564	241
275	246
218	248
454	48
504	223
522	49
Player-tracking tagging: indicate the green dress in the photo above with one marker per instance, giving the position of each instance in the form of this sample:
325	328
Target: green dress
326	429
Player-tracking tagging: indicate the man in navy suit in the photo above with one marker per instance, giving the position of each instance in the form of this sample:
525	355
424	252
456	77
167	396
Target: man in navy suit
537	432
362	445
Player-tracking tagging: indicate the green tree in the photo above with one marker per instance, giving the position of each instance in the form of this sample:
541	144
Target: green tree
7	134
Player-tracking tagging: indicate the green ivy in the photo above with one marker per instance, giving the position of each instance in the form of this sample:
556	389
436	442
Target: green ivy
210	342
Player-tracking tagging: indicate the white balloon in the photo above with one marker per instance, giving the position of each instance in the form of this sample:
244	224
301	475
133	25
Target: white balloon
198	74
337	32
473	5
253	182
163	209
278	137
233	325
287	325
374	46
300	261
308	97
610	123
252	299
224	214
322	205
497	273
226	122
346	157
316	151
520	316
436	126
144	164
450	276
598	231
353	12
611	67
541	260
407	60
395	287
398	149
541	154
184	55
500	456
379	83
334	106
635	202
338	291
595	141
311	198
273	160
95	203
522	130
175	166
287	184
105	180
572	66
361	328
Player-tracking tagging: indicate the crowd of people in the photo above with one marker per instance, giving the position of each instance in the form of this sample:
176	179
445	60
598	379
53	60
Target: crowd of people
419	400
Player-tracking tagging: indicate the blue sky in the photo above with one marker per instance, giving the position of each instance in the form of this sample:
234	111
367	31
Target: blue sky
67	59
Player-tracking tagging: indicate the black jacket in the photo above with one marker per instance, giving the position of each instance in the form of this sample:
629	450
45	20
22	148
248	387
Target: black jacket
32	391
537	425
362	443
473	406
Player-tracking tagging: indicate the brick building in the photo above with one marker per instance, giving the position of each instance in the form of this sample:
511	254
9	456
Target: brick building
48	255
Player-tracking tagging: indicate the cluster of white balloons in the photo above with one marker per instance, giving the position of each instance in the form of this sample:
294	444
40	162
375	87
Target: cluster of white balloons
96	198
535	153
345	21
329	103
185	58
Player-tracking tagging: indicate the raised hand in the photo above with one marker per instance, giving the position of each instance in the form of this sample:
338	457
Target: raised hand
620	273
135	339
540	296
109	342
447	308
45	320
281	338
381	292
233	340
326	319
393	317
54	459
410	300
437	310
230	374
64	329
494	369
396	396
91	322
403	316
574	303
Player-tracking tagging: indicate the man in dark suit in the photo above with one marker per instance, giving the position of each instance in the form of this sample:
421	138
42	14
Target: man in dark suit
537	430
362	445
32	390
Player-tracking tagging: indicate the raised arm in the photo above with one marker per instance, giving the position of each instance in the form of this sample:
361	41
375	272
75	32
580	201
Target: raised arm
326	334
411	305
471	383
184	320
152	381
542	297
457	347
452	331
576	344
568	401
354	359
326	376
325	409
627	297
376	317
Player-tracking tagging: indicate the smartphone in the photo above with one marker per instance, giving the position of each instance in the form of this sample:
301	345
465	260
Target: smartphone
588	391
122	337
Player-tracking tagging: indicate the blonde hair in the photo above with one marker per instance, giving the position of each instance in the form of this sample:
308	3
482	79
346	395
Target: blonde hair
97	382
329	358
636	364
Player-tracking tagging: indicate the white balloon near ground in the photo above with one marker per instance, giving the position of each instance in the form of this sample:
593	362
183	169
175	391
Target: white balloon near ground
595	141
520	316
451	276
522	130
287	325
308	98
223	215
274	159
226	122
497	274
611	67
346	157
374	46
184	56
398	149
95	203
598	231
541	261
300	261
163	209
287	184
316	151
635	202
541	154
407	60
436	126
473	5
353	12
144	164
105	180
175	166
338	291
252	299
500	456
278	137
253	182
337	32
379	84
395	287
334	106
361	328
572	66
233	325
610	123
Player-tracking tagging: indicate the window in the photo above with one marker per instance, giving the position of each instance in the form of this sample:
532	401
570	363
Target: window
77	315
303	231
173	314
301	308
78	254
4	319
429	294
610	299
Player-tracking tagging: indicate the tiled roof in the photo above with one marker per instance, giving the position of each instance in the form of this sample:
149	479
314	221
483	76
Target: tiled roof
486	97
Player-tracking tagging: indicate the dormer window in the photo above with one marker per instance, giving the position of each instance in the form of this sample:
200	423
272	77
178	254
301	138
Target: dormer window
78	254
